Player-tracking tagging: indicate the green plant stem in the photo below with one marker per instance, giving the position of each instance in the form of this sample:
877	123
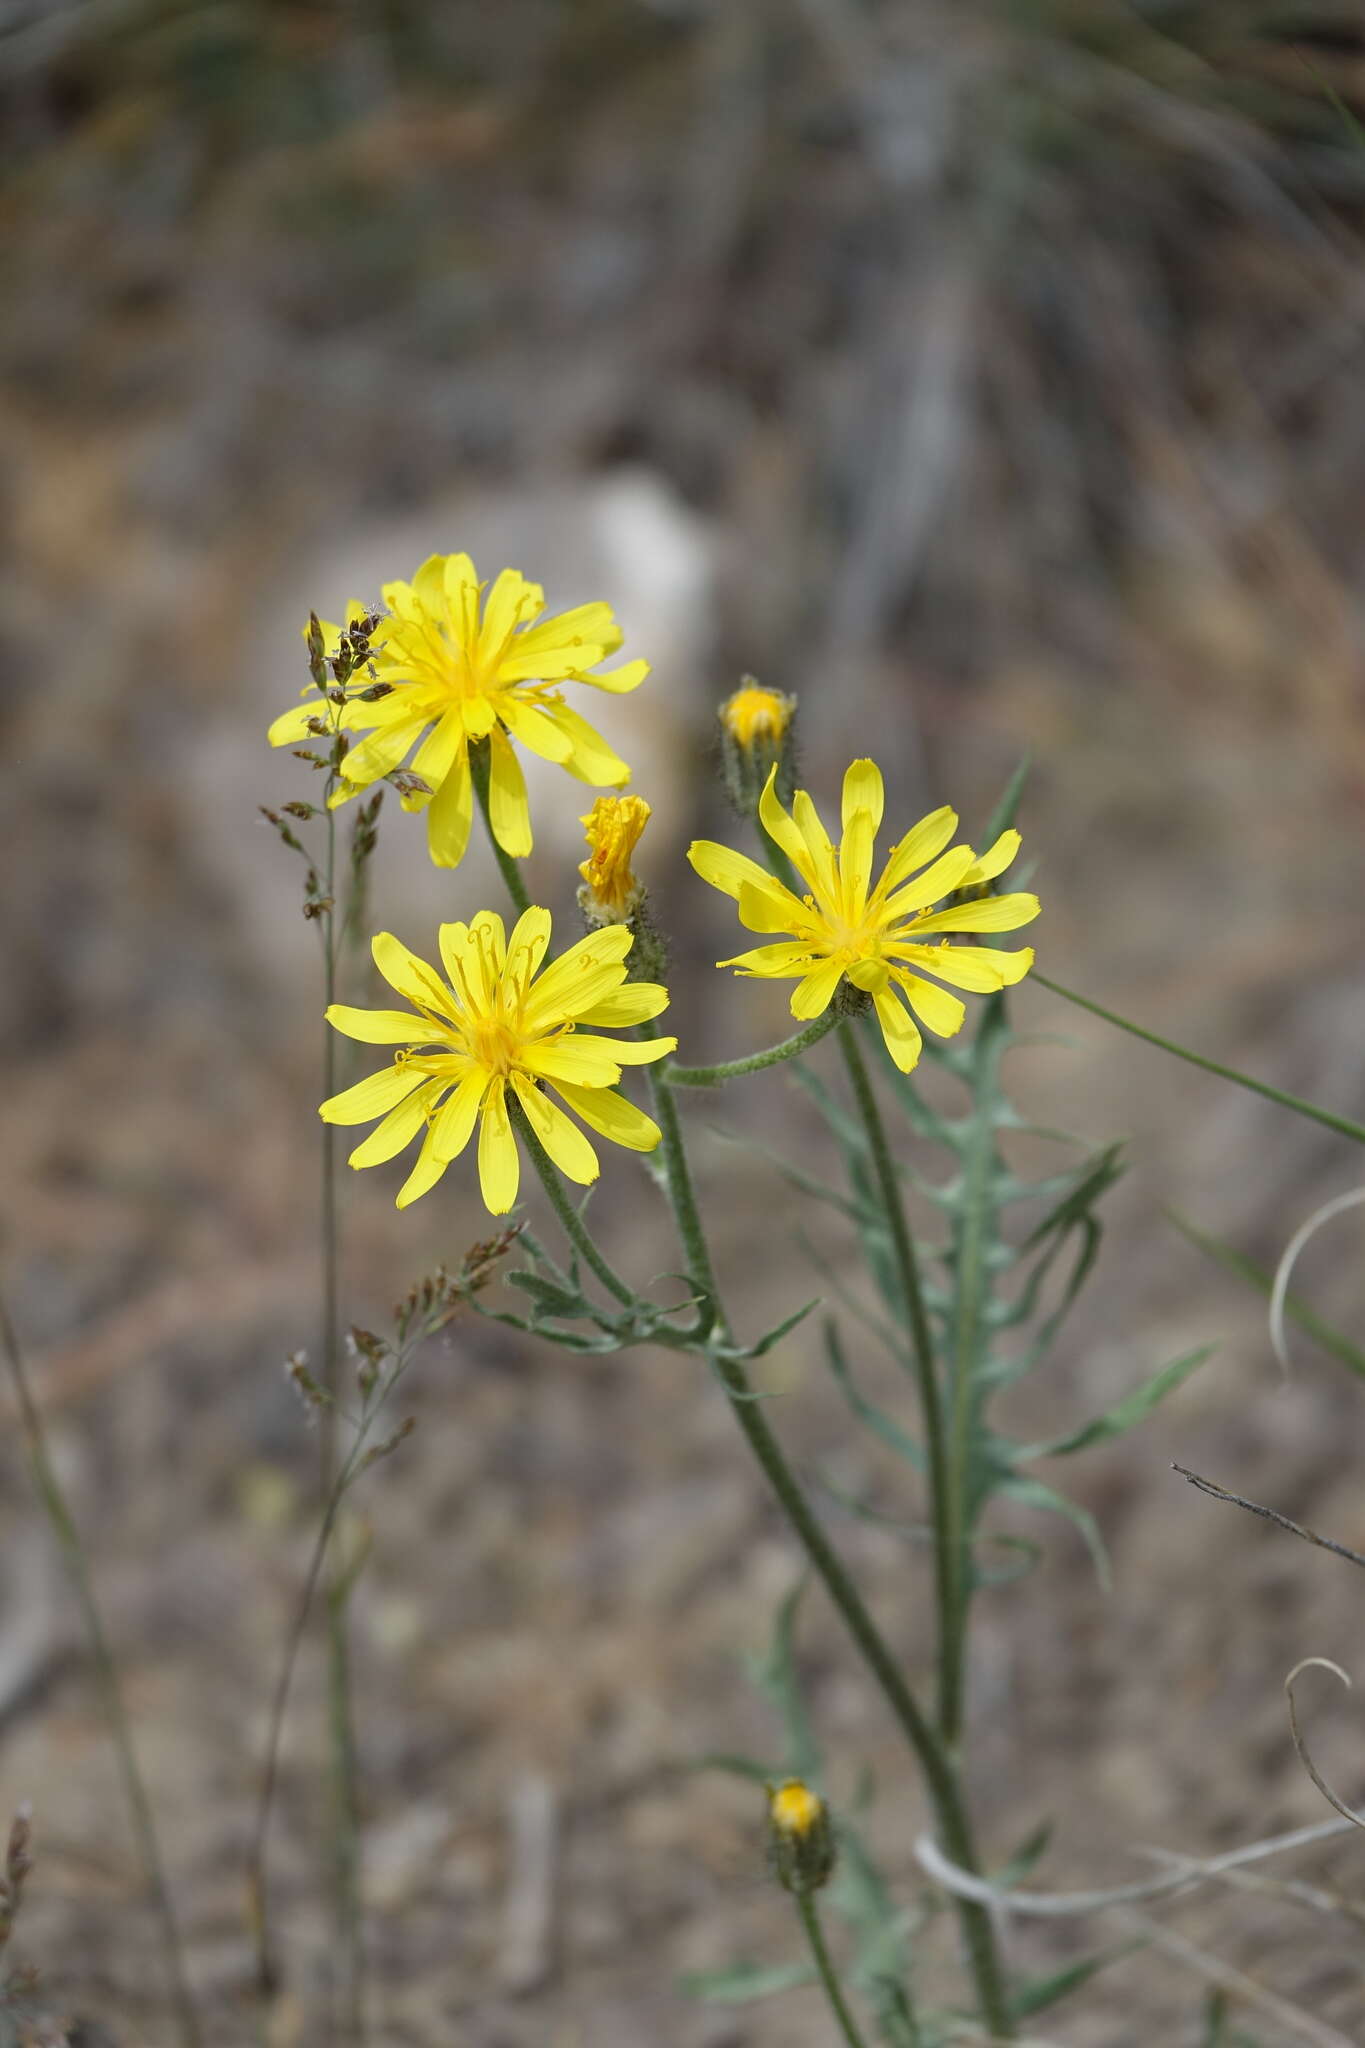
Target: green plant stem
810	1920
949	1552
939	1770
345	1803
511	869
1341	1124
574	1227
135	1791
754	1063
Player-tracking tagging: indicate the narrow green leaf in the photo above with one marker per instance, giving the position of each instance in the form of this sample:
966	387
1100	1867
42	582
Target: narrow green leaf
1126	1413
877	1420
742	1983
1031	1493
765	1343
1296	1308
1042	1992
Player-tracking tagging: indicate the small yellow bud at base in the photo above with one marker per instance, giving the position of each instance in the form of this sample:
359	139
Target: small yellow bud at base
800	1839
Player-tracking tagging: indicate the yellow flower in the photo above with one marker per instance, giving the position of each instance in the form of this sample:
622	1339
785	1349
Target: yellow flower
884	939
463	667
755	716
612	829
500	1024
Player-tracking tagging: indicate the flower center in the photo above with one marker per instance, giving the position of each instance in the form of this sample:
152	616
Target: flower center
494	1045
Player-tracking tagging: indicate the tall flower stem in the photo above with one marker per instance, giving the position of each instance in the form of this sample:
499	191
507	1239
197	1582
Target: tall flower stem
937	1766
511	868
345	1802
949	1576
573	1225
713	1340
754	1062
810	1920
135	1791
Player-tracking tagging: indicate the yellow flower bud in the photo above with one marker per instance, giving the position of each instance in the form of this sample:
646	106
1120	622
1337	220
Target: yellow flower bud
800	1839
756	737
612	829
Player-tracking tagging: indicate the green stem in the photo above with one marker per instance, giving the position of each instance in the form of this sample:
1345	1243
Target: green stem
755	1062
810	1920
939	1770
574	1228
949	1576
345	1830
511	869
1342	1124
139	1805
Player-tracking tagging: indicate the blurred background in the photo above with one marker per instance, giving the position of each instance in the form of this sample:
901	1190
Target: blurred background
989	376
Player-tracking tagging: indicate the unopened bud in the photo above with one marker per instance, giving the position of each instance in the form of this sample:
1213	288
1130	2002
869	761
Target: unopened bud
800	1839
756	735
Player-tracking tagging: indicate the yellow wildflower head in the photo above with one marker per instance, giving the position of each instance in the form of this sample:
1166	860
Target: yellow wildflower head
612	828
456	667
883	939
755	730
496	1024
800	1839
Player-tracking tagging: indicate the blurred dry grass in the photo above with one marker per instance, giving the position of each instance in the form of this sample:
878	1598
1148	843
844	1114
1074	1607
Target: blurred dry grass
1007	358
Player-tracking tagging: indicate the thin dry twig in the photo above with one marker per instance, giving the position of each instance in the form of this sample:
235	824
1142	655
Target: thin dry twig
1269	1515
1323	1664
1215	1971
1069	1905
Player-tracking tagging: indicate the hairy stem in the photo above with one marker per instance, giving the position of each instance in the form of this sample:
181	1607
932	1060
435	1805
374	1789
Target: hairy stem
135	1791
949	1576
810	1920
511	868
935	1762
755	1062
574	1227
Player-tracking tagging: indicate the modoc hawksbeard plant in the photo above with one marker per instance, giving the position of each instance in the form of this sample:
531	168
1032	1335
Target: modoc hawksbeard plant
500	1025
882	939
451	668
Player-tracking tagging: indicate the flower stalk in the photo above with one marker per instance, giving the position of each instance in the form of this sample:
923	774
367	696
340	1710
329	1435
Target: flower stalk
63	1525
755	1062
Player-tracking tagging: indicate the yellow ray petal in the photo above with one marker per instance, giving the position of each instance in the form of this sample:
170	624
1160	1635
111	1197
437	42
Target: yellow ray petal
534	729
985	914
378	1027
604	1111
409	975
864	790
512	602
564	1059
291	728
627	1052
424	1175
450	813
382	752
526	947
903	1041
938	880
372	1097
855	862
812	997
979	969
780	828
562	646
617	681
592	760
499	1162
940	1011
398	1129
919	845
993	862
436	756
582	976
636	1003
564	1142
453	1125
794	956
508	810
